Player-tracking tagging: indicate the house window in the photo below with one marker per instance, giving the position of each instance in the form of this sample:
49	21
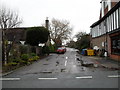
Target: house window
110	23
117	18
114	20
100	29
95	32
115	41
105	27
92	32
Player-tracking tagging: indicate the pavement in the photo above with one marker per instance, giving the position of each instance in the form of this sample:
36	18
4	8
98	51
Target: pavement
103	61
9	72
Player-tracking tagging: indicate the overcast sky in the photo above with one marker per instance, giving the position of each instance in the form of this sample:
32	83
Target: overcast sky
80	13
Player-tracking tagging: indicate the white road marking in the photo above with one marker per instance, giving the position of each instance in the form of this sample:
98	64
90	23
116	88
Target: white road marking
84	77
47	78
114	76
74	66
66	57
9	78
75	57
65	62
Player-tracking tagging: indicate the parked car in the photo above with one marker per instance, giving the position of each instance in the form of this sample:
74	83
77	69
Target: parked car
61	50
64	48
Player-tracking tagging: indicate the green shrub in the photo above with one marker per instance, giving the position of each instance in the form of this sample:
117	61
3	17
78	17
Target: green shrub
25	57
45	50
12	64
23	49
51	48
16	60
35	58
32	54
23	62
40	35
30	59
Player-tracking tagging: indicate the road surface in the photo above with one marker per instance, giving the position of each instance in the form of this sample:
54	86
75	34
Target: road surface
61	71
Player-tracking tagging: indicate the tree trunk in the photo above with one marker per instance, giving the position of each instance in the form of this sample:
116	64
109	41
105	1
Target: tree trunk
4	55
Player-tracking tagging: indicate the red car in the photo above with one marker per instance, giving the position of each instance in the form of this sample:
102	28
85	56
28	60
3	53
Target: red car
61	50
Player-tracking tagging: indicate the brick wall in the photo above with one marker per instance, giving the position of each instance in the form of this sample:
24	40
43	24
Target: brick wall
115	57
113	4
109	45
106	10
98	41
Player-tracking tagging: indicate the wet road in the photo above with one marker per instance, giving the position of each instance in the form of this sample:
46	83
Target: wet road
61	71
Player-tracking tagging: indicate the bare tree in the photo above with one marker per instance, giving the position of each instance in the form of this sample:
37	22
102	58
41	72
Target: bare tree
60	30
8	19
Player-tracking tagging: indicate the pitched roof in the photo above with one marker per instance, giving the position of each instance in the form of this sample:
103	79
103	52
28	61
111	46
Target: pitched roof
16	33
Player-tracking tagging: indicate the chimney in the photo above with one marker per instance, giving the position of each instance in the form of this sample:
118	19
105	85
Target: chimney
47	23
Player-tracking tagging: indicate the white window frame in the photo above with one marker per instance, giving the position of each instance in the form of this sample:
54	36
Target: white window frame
95	32
98	31
114	20
104	24
92	32
108	24
111	22
117	18
100	28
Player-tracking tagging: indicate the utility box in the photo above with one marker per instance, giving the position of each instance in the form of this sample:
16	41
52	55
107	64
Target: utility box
90	52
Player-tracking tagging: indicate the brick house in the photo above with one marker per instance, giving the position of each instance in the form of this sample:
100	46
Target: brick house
105	32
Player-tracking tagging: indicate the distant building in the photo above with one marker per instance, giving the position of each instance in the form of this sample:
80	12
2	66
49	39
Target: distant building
106	31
